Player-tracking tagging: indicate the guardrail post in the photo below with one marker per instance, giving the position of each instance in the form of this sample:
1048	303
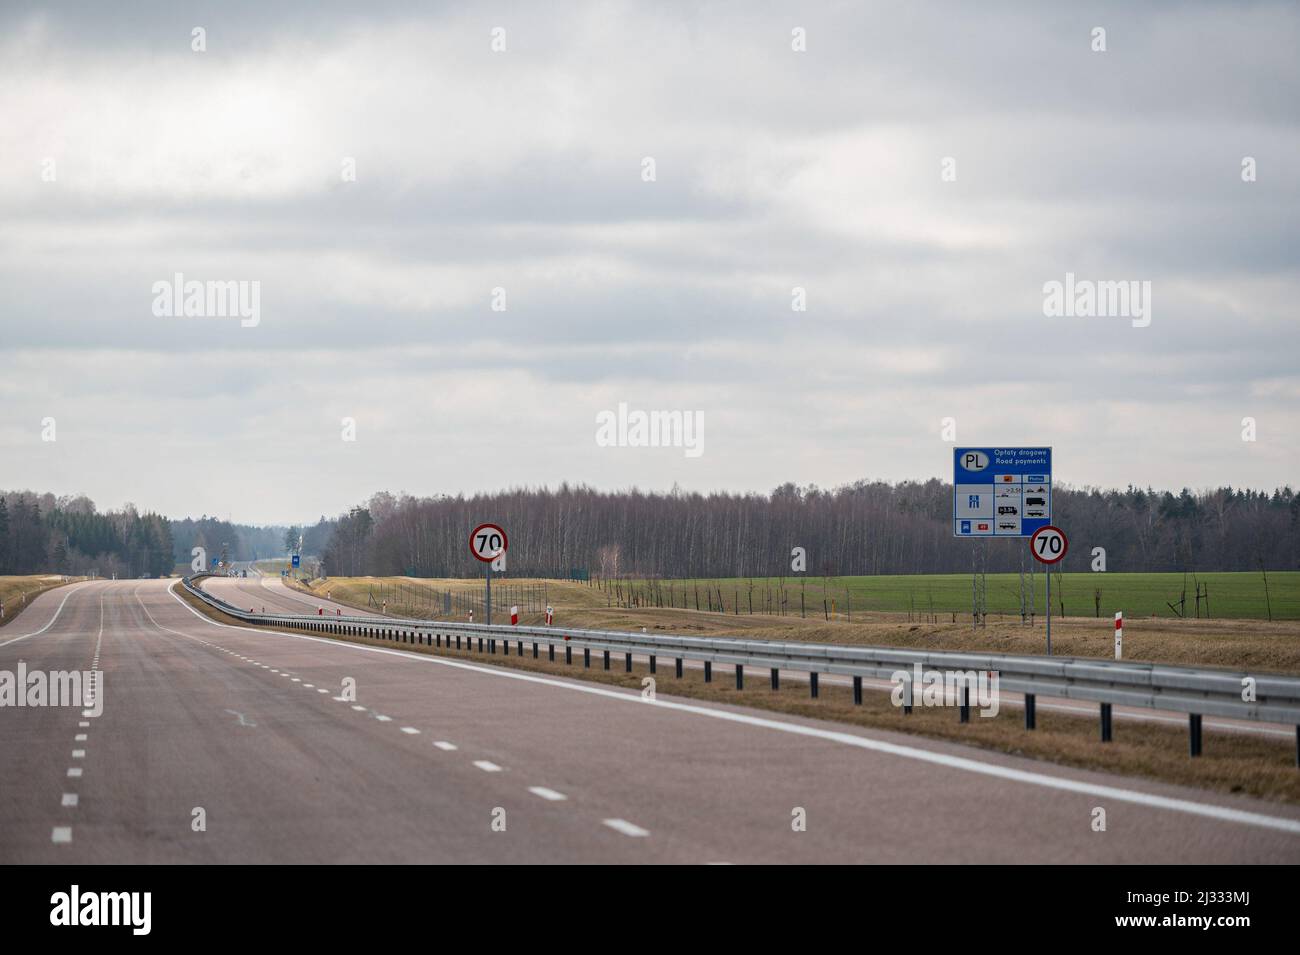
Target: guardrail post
586	657
857	691
1297	747
812	685
964	709
1194	734
606	659
1031	714
568	654
708	676
653	662
740	676
480	644
627	663
776	678
1105	722
519	646
505	647
458	641
534	649
679	668
550	652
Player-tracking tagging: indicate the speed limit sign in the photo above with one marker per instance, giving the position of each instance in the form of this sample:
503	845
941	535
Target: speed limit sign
1048	544
487	542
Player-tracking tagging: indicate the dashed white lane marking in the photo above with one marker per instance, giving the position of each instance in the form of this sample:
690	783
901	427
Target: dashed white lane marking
79	738
321	690
486	766
308	686
359	708
382	718
296	680
61	834
69	799
78	754
548	794
625	827
74	772
87	712
969	764
444	745
83	723
410	729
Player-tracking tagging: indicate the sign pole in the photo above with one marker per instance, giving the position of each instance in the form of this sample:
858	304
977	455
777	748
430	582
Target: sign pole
1049	610
1049	546
488	609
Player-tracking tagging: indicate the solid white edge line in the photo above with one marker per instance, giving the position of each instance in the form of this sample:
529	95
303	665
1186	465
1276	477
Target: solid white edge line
36	633
967	764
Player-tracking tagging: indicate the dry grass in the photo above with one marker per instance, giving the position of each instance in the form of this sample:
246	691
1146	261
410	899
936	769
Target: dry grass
16	593
1232	762
1254	645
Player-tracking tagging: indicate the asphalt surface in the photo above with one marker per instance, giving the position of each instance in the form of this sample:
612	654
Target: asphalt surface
441	760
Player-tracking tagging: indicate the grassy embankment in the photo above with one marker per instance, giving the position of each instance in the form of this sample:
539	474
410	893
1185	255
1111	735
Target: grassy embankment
19	591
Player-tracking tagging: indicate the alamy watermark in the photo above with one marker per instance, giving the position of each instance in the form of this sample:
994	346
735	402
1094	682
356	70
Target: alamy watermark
1085	298
651	429
946	688
37	688
232	298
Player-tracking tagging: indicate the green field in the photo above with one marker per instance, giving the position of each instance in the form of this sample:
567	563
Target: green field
1230	595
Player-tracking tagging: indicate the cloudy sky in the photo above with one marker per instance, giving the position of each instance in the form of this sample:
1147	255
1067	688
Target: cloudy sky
126	156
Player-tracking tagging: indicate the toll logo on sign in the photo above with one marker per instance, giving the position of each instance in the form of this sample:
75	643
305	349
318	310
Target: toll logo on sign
974	460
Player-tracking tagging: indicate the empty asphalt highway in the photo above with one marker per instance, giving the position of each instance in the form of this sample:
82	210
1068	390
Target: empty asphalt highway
225	744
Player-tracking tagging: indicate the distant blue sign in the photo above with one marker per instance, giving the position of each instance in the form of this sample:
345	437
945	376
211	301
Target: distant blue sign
1001	492
296	560
214	562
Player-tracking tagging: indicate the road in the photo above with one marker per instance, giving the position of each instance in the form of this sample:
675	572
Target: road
442	760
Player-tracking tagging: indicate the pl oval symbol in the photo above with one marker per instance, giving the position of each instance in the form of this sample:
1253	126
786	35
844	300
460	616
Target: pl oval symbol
974	460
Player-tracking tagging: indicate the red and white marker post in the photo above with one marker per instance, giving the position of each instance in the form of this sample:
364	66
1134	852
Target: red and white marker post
514	616
1119	634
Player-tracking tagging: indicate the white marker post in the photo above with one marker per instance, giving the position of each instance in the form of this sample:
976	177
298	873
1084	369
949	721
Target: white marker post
1119	634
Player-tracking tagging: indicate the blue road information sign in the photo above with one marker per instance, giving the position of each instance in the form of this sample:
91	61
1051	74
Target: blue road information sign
1001	492
214	562
296	560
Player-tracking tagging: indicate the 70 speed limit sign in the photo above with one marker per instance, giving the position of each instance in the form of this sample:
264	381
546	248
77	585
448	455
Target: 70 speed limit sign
1048	544
487	542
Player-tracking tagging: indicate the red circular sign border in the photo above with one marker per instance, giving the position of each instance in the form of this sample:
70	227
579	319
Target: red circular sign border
505	542
1064	540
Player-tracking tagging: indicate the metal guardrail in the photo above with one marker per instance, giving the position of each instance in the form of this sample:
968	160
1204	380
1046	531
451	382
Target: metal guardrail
1263	697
